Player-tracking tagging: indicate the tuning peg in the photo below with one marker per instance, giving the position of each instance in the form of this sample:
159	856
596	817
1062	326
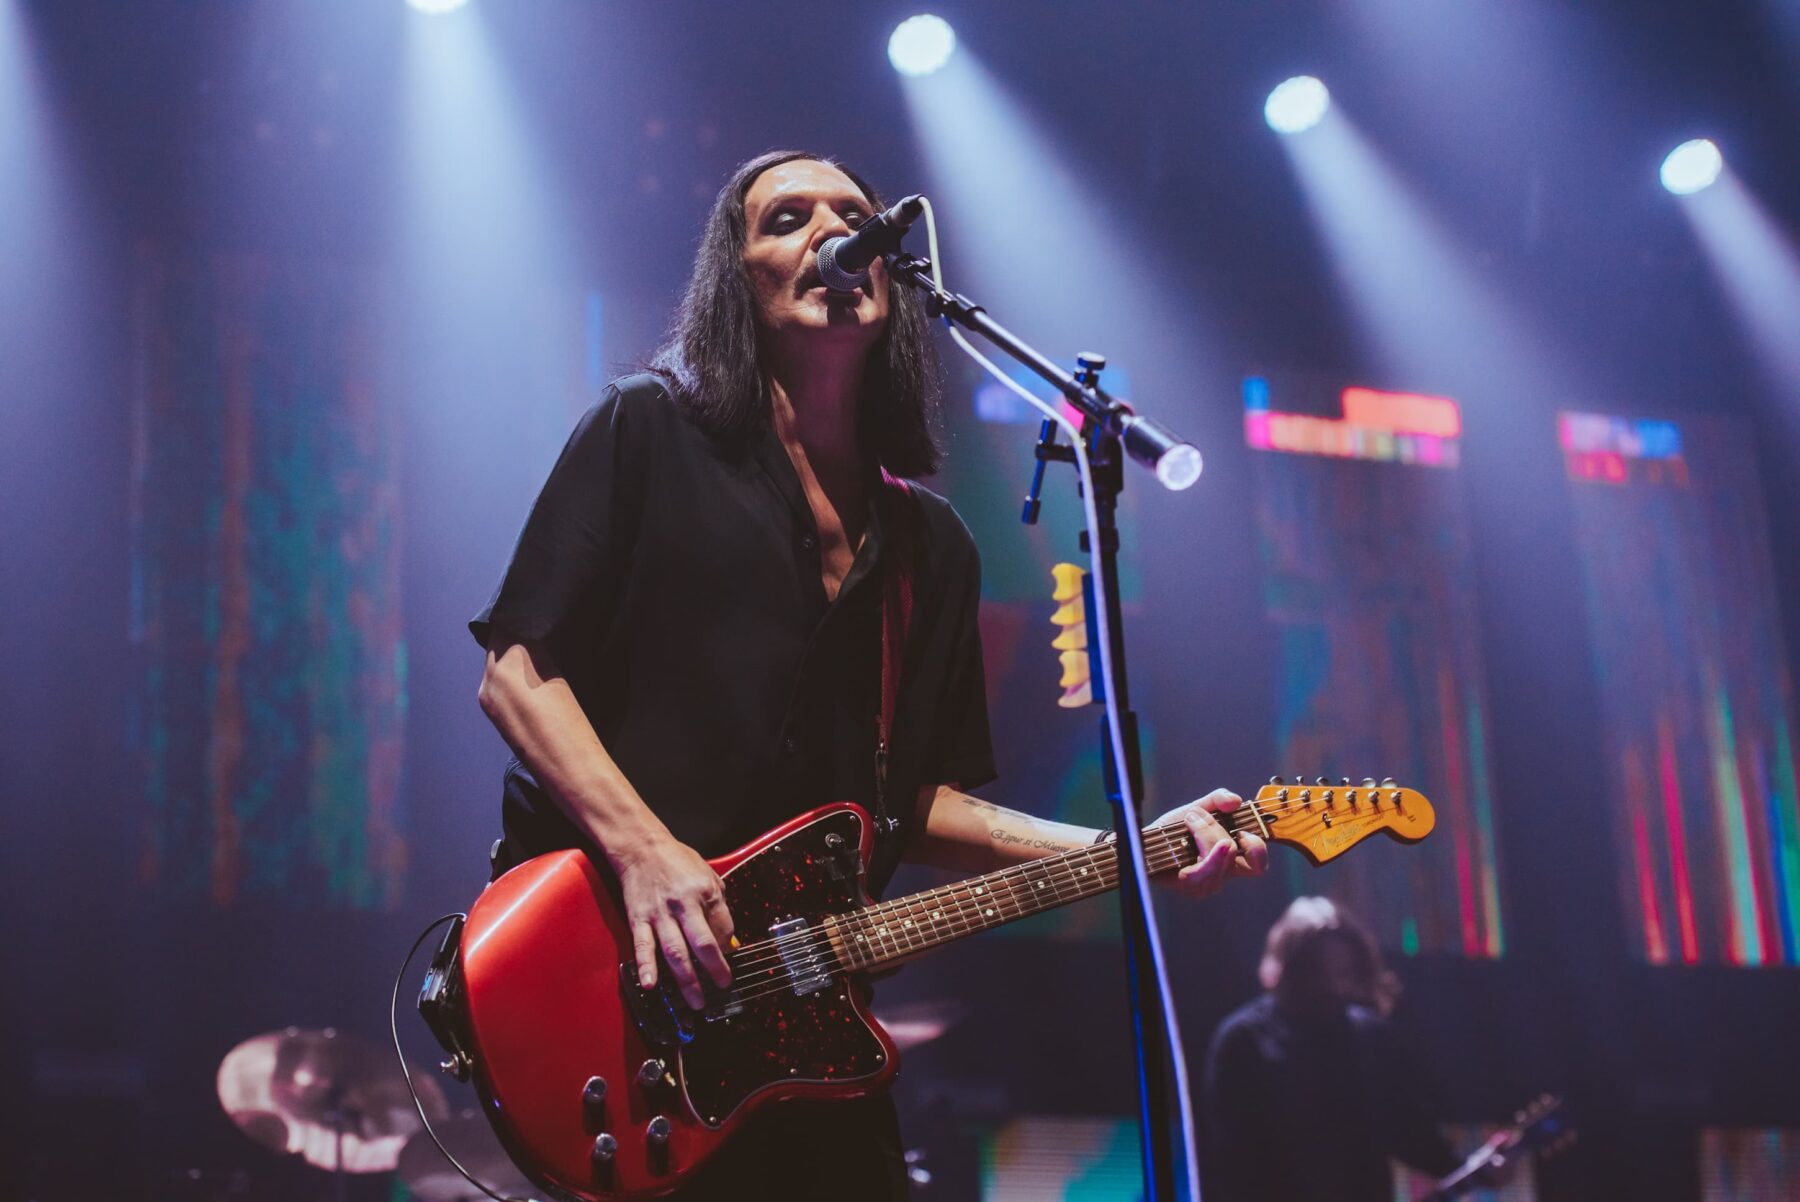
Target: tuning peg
1368	782
1323	780
1344	781
1276	780
1387	782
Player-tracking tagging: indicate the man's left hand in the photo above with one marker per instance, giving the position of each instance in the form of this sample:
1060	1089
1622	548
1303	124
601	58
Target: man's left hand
1221	855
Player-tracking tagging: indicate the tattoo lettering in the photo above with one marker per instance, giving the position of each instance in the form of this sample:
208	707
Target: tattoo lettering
1005	837
975	803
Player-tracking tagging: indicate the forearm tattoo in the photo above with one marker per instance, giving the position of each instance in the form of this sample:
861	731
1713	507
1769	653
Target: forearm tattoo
1002	837
1008	839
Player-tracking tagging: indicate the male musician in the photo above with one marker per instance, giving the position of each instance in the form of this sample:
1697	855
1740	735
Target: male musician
686	648
1307	1092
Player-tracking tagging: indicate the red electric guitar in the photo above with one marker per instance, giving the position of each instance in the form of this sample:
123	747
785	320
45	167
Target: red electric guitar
603	1090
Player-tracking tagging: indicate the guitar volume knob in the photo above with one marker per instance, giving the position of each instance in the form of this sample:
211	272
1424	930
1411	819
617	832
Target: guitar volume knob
657	1130
605	1146
650	1073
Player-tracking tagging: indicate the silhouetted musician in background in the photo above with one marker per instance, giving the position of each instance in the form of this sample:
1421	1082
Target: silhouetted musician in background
1308	1092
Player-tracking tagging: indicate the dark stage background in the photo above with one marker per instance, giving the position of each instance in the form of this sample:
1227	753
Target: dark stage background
299	300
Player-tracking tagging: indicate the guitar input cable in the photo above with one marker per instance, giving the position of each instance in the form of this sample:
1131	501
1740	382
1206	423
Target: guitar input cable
406	1071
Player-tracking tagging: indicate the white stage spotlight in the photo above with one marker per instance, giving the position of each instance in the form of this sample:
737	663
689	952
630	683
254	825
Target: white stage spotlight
920	45
436	7
1691	167
1296	105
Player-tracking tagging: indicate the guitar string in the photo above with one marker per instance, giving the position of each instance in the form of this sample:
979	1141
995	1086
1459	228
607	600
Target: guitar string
962	922
1236	822
961	926
817	947
1097	853
770	952
755	957
941	891
758	951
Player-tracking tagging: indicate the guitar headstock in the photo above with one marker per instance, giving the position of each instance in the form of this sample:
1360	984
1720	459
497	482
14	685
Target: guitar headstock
1541	1126
1324	819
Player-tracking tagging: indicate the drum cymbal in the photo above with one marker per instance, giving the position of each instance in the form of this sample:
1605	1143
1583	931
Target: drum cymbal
298	1091
910	1024
469	1138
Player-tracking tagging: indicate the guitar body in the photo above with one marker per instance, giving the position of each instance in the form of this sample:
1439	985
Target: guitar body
550	1004
603	1091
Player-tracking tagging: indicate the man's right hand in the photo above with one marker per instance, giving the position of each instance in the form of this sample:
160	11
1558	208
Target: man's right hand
676	902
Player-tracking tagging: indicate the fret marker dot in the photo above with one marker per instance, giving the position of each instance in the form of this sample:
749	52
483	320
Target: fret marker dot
989	913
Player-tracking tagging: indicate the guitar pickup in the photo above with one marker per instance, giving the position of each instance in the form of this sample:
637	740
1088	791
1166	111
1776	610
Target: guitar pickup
800	957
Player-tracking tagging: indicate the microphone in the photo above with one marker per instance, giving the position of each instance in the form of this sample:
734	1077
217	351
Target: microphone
844	261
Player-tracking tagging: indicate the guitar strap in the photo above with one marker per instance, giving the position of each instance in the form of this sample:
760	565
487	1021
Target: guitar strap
896	618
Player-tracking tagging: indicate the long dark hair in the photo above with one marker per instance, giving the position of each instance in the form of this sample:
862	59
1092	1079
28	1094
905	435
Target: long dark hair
710	360
1293	966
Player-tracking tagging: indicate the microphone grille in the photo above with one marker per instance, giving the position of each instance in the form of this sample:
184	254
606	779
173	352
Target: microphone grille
833	276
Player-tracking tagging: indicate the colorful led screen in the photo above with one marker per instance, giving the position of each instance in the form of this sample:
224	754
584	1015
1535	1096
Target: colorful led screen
265	588
1038	1158
1368	583
1749	1165
1694	688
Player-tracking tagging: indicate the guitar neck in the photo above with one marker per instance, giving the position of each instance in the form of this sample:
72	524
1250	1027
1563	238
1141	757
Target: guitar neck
900	929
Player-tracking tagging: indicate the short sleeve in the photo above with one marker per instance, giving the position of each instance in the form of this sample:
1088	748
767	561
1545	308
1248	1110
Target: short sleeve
571	554
962	750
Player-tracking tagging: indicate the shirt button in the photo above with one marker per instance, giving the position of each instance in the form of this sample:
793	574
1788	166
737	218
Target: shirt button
808	541
790	745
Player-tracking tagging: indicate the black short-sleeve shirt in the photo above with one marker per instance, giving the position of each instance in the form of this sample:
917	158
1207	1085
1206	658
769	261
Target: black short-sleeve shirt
675	580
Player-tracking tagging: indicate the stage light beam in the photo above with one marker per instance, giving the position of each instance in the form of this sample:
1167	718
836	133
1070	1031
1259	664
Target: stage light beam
1296	105
1756	262
1420	307
920	45
1692	167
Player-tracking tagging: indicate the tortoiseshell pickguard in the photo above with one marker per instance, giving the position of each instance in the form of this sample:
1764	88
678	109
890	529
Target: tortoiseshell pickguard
778	1036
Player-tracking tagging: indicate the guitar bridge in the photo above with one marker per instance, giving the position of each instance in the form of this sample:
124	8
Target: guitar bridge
806	964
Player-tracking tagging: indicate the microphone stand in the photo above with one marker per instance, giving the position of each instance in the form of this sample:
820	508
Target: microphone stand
1111	430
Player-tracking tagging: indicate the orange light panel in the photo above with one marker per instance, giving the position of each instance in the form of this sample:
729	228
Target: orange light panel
1402	412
